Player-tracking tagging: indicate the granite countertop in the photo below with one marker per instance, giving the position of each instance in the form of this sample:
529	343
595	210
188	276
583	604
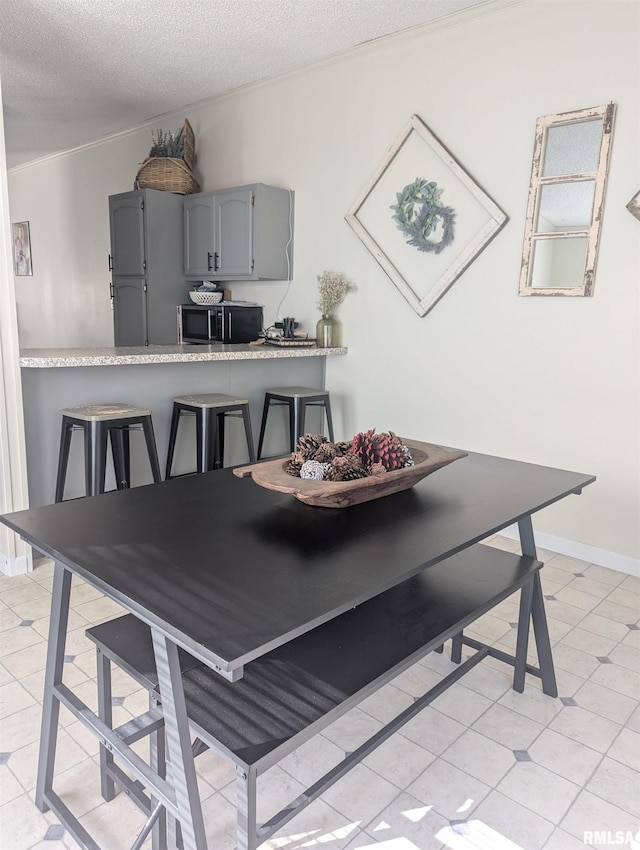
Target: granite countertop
48	358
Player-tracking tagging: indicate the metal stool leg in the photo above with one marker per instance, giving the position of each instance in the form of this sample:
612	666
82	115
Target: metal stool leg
207	420
118	451
202	439
246	418
327	410
95	457
296	421
175	418
63	457
263	423
126	456
152	451
218	458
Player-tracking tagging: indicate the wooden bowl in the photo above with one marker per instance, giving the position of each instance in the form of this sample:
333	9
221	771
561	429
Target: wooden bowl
427	458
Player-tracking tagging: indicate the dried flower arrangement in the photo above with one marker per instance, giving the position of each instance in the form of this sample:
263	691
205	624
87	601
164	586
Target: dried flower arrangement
333	288
367	453
166	143
168	167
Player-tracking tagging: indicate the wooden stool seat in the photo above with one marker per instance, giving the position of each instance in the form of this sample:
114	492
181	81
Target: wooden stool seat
297	399
99	423
211	410
100	412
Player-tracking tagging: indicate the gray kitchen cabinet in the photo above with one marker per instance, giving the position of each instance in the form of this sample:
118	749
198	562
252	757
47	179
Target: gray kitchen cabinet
241	233
130	314
146	263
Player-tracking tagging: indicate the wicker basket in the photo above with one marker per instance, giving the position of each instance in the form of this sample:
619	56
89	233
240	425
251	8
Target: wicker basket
189	144
167	174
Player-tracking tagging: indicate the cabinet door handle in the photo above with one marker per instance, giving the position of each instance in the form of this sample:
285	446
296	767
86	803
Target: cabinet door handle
216	261
110	263
209	256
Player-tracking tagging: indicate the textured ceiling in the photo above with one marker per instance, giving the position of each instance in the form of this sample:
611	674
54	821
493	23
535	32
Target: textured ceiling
74	71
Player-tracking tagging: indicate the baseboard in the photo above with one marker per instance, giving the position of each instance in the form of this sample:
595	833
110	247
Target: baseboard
16	566
581	551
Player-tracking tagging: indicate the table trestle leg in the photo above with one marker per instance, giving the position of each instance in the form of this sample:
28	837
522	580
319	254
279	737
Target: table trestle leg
158	763
543	643
53	677
538	614
178	742
112	741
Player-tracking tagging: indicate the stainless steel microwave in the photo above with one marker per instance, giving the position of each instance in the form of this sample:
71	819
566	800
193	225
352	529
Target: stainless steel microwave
228	323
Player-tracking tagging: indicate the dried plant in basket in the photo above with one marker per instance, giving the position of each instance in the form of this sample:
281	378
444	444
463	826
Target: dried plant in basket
168	167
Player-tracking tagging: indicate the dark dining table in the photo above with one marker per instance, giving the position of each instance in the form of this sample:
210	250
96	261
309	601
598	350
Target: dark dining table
239	576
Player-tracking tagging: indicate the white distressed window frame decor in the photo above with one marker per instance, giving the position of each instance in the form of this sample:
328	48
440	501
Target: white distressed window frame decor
422	294
599	177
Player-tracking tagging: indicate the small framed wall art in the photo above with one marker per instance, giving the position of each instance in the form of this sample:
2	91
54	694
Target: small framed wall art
423	217
21	248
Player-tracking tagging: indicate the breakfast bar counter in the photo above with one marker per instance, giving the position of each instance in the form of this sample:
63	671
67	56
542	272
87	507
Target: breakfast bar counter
150	377
55	358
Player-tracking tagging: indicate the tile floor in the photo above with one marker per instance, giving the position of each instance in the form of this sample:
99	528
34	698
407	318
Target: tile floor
482	768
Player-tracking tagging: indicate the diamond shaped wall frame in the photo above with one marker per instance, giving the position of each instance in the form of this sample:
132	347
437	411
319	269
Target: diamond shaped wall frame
423	236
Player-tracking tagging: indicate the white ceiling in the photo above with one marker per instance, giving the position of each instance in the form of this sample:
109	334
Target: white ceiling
74	71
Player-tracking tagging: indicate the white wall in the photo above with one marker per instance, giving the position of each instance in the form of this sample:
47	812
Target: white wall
15	555
549	380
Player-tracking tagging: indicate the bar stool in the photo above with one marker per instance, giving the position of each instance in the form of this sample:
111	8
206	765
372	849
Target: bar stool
211	410
297	399
99	421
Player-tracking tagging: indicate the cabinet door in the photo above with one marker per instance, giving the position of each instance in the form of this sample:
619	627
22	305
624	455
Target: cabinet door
233	219
130	311
127	234
198	237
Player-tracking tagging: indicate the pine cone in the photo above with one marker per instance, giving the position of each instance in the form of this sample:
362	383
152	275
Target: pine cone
341	448
408	460
383	448
377	469
354	472
325	453
295	464
308	445
345	468
313	470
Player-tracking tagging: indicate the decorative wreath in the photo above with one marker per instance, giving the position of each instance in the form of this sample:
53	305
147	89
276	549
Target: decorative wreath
418	212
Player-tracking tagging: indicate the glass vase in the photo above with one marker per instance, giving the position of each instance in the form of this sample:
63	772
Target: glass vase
328	332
